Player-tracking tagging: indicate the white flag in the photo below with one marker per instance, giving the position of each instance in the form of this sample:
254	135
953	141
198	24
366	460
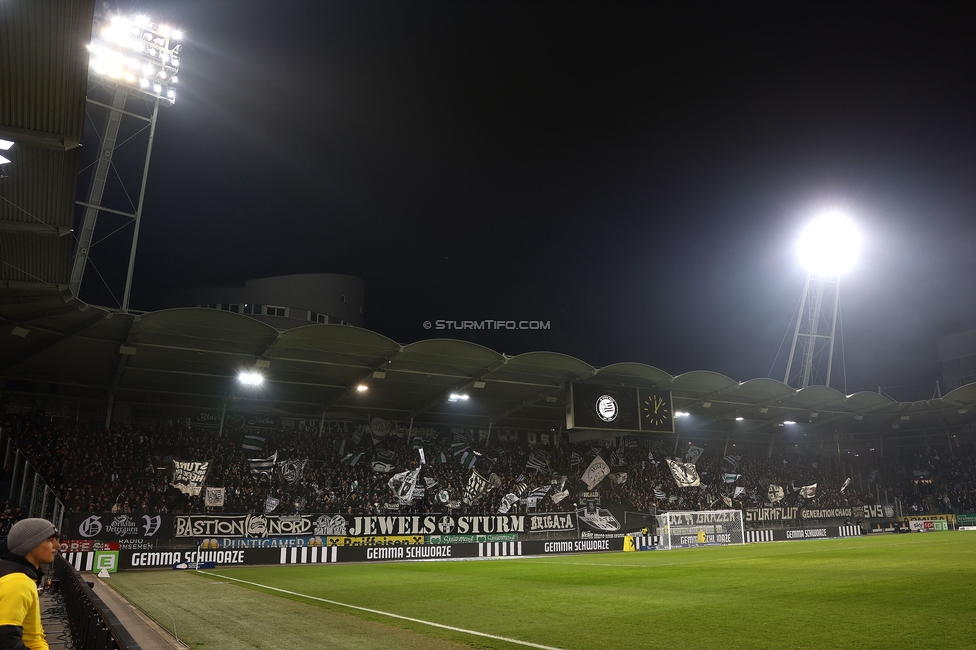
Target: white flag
775	493
846	484
738	491
684	473
214	497
808	491
595	473
507	502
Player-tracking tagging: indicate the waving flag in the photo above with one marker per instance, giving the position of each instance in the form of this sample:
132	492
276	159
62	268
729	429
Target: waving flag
263	465
732	461
537	461
595	473
685	474
352	459
253	443
507	502
808	491
691	456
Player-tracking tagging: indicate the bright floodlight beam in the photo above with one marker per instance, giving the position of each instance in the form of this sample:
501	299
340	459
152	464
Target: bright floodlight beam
250	378
138	54
829	245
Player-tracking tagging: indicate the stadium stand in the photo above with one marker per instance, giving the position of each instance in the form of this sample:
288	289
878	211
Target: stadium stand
128	469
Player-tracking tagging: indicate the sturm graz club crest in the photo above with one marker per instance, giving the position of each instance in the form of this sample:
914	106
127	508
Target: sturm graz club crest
606	408
90	527
445	525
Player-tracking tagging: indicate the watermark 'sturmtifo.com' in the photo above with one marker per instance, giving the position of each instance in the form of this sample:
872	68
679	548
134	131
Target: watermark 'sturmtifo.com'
487	325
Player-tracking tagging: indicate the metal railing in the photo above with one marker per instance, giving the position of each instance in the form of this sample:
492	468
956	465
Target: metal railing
93	625
27	488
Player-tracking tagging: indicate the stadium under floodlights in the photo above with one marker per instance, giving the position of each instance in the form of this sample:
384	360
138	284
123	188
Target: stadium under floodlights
137	53
829	245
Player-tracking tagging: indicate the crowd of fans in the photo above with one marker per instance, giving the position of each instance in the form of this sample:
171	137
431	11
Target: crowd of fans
128	468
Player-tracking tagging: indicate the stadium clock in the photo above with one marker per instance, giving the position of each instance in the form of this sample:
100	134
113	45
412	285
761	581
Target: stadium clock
656	412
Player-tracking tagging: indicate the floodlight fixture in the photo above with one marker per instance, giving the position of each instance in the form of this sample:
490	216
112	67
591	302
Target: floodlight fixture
122	44
362	388
454	397
250	378
789	422
829	245
681	414
739	418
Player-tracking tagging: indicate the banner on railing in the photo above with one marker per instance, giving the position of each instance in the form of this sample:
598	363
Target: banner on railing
108	526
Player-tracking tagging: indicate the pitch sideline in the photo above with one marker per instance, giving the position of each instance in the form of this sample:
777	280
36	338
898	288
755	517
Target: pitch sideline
376	611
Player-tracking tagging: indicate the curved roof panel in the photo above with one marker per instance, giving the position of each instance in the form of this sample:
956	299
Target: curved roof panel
866	401
703	381
818	397
637	373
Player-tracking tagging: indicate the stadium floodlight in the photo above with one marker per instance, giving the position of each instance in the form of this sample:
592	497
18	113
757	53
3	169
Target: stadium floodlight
133	57
454	397
4	145
829	245
362	388
827	248
124	44
739	419
250	378
681	414
789	422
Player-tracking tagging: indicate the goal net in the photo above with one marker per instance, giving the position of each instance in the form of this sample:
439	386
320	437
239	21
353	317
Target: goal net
700	528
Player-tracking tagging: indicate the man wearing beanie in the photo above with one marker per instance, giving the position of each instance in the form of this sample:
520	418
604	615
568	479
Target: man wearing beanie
30	543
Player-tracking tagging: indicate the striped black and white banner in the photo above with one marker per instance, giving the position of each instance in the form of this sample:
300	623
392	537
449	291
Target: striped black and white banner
753	536
850	531
641	541
81	560
499	549
308	554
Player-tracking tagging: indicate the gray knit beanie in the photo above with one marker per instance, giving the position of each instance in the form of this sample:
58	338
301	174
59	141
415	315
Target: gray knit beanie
27	534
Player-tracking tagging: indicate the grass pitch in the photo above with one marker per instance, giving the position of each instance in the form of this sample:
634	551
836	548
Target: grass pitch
877	591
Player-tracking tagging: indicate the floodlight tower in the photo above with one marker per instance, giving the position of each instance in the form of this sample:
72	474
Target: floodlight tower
136	59
828	248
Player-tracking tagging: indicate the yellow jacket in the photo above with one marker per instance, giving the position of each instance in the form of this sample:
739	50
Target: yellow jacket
19	608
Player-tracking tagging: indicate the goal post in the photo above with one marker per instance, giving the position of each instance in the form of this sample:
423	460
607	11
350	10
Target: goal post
688	529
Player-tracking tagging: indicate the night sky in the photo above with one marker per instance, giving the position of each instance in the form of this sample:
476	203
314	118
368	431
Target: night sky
635	174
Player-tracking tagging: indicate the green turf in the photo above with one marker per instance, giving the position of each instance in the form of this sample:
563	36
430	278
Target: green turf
882	591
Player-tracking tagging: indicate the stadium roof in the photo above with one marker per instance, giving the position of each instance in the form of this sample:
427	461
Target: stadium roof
191	358
43	81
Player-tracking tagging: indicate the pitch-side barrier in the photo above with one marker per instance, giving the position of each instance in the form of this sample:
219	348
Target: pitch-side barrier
117	560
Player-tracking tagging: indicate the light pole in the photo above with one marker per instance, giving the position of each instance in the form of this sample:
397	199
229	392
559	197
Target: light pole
136	59
827	249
